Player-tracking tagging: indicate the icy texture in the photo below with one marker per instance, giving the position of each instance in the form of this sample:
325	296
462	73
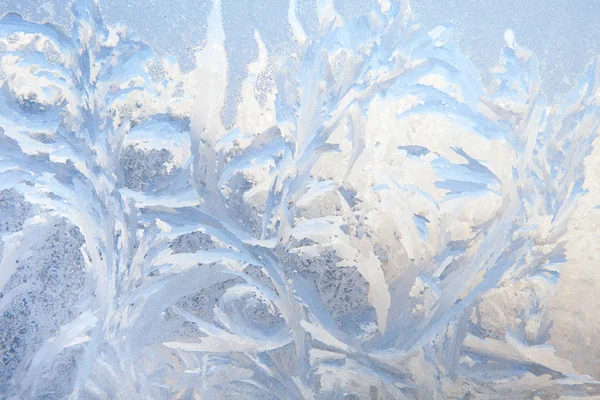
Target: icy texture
374	226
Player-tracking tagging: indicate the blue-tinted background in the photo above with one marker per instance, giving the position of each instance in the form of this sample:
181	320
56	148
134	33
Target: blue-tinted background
563	34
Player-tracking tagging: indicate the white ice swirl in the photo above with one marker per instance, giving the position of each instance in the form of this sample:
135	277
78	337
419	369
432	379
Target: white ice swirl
375	225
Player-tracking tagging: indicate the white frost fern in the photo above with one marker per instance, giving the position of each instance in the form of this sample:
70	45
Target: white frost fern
375	224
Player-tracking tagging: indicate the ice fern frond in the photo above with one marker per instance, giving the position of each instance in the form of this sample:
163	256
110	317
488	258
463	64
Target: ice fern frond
362	227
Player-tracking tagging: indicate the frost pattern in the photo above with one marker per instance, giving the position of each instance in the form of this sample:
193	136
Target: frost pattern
374	226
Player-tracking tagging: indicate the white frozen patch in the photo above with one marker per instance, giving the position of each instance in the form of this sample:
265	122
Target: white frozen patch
375	224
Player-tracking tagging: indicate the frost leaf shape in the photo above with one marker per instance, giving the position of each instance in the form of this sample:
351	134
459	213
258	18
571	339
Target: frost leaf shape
374	225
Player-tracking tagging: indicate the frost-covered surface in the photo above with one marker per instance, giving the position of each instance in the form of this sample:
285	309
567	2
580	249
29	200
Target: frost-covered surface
374	226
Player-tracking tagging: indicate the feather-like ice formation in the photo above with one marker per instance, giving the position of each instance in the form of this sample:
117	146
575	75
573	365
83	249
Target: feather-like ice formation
375	225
